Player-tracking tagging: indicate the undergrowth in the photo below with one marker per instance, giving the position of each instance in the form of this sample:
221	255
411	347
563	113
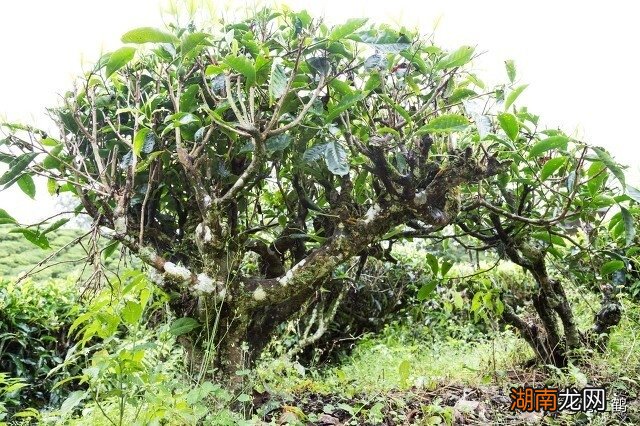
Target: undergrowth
118	358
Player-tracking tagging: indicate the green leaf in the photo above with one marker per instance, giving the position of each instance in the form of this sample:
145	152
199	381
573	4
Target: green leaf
16	167
509	124
401	160
404	370
6	158
513	95
460	94
499	307
319	65
476	302
277	82
314	153
244	66
432	261
633	193
336	159
138	141
27	185
52	186
456	58
373	82
278	143
446	123
571	180
426	290
629	226
444	269
598	174
547	144
8	387
511	69
611	266
601	200
340	50
415	59
348	28
183	325
243	397
551	166
49	142
476	80
458	302
28	412
341	87
182	119
33	237
549	238
72	402
148	35
110	249
214	70
397	48
6	217
55	225
119	59
611	164
388	130
189	98
375	63
302	20
193	40
247	147
345	103
179	119
131	312
52	161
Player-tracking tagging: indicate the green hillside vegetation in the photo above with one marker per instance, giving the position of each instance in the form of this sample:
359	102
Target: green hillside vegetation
440	362
17	256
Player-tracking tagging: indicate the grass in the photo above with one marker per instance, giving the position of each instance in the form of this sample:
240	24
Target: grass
385	363
414	362
397	360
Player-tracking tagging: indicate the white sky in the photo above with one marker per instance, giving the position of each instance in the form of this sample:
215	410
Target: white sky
579	58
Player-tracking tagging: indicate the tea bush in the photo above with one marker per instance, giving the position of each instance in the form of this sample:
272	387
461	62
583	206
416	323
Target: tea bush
34	320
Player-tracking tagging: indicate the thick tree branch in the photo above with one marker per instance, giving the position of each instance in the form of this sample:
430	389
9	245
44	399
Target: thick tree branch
179	275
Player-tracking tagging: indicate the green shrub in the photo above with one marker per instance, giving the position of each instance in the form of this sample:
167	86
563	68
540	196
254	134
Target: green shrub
34	319
131	370
18	256
9	393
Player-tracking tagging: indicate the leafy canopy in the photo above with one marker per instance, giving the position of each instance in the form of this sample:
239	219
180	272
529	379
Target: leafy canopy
282	139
